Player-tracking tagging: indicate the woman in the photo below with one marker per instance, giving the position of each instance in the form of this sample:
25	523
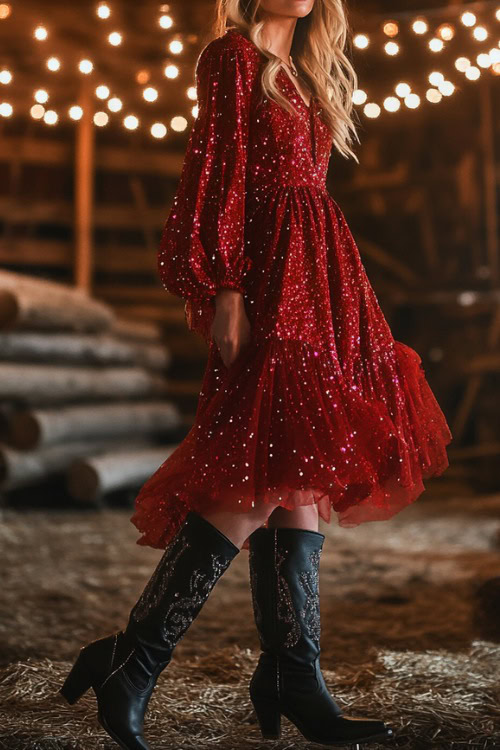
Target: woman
307	402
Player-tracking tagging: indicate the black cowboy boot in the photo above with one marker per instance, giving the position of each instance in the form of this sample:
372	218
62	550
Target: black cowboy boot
284	573
122	668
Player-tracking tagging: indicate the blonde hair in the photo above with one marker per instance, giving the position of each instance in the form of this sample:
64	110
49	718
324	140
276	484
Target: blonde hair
318	53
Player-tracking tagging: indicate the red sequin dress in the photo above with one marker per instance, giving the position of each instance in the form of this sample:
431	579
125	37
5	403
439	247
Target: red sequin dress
323	405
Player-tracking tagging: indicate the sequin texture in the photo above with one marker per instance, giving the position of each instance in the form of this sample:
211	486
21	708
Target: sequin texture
322	405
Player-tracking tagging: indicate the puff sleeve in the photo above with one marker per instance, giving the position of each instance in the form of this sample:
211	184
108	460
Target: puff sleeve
202	248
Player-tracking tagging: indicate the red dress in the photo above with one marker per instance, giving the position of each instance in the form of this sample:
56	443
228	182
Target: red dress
323	405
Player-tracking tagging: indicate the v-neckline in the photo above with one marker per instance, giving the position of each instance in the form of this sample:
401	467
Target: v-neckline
307	106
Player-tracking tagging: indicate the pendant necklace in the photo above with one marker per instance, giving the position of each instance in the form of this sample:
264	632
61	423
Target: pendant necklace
291	66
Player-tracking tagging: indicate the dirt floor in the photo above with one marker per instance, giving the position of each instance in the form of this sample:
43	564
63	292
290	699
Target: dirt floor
410	630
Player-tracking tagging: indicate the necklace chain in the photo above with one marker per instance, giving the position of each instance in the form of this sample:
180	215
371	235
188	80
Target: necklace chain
293	69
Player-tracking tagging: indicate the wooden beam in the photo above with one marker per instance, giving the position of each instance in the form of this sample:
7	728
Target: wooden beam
84	191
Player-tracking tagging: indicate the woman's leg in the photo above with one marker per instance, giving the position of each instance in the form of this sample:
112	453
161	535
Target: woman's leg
238	526
303	517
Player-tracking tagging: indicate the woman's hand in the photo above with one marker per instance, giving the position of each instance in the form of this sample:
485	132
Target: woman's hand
230	328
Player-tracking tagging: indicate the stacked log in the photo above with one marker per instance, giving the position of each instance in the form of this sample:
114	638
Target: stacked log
84	400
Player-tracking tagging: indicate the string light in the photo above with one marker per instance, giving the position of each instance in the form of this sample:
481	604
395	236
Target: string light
480	33
402	89
40	33
103	10
101	119
166	22
53	64
41	96
115	104
446	88
390	28
391	48
420	26
158	130
462	63
50	117
435	78
359	96
75	112
176	46
171	71
131	122
391	104
6	109
142	76
472	73
371	110
178	123
433	96
412	101
102	92
446	32
150	94
5	11
5	76
191	93
436	45
37	111
115	38
195	110
483	60
85	66
468	18
361	41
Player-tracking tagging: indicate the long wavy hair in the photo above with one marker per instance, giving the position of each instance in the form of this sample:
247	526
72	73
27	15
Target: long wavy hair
319	41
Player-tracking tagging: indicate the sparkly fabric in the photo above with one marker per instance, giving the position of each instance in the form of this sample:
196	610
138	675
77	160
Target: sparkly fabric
322	405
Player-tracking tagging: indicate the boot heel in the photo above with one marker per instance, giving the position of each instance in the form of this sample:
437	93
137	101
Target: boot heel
269	717
77	682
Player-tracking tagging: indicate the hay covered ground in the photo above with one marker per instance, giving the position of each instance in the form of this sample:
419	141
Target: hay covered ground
410	630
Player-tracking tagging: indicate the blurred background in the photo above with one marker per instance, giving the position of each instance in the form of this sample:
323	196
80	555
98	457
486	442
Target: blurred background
99	376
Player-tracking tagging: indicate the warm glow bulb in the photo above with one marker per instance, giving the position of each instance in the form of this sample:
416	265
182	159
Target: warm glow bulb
462	63
103	10
402	89
165	22
5	10
446	88
115	104
85	66
195	110
392	104
37	111
420	26
480	33
171	71
191	92
50	117
41	96
359	96
412	101
6	109
436	78
433	96
115	38
5	76
142	76
371	109
390	28
158	130
494	55
436	45
102	92
391	48
472	73
176	47
53	64
40	33
179	123
101	119
468	18
361	41
446	32
75	112
131	122
484	60
150	94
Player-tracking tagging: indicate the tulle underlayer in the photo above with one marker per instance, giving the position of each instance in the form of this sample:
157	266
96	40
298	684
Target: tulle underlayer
284	425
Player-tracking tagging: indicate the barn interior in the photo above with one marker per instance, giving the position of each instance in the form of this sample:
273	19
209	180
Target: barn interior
99	376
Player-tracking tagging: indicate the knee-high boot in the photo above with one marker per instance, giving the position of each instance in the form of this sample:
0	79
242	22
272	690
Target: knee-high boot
123	668
284	578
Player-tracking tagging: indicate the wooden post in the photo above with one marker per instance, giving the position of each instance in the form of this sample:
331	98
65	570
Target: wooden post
84	190
489	176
